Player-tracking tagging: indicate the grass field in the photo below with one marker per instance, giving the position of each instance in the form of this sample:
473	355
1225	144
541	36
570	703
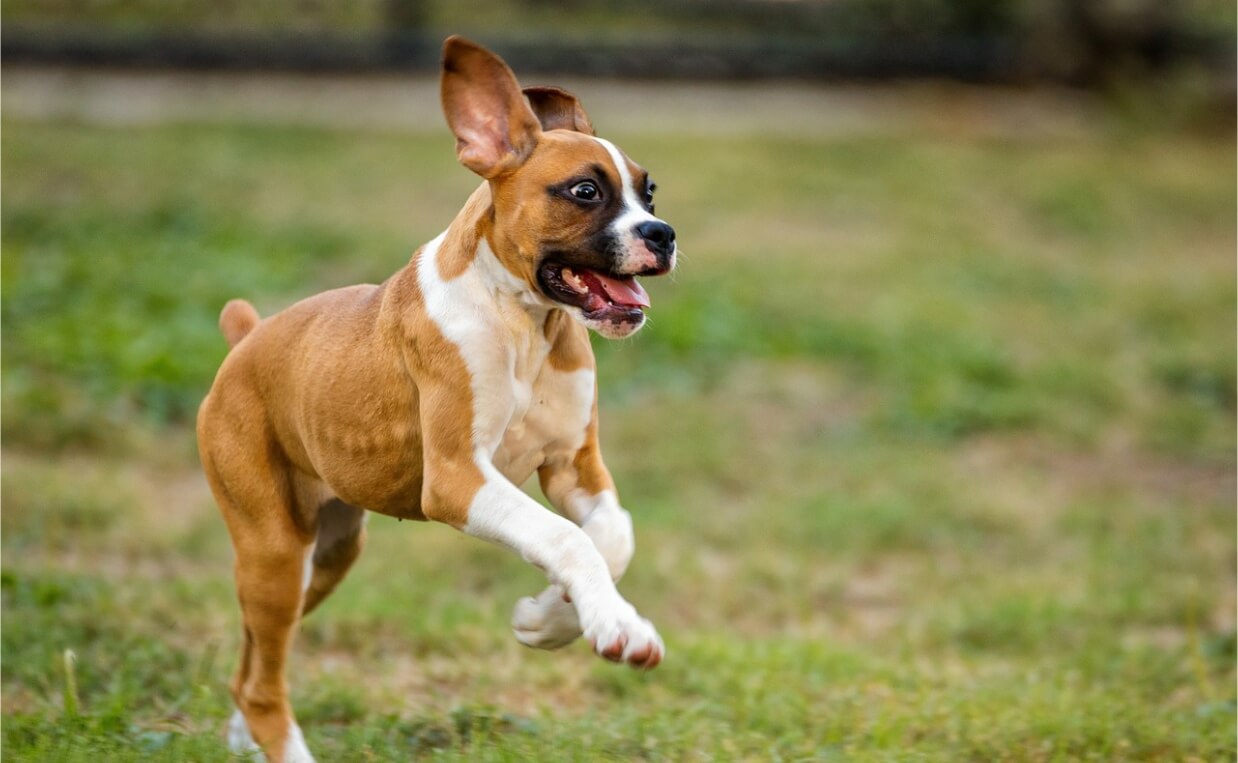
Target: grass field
930	445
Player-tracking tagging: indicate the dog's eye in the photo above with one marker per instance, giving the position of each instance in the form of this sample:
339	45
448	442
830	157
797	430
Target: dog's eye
586	191
649	189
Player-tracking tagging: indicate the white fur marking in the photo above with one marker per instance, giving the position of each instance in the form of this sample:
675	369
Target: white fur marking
553	422
240	741
476	311
633	210
546	621
458	308
502	514
609	526
307	567
636	256
491	271
295	750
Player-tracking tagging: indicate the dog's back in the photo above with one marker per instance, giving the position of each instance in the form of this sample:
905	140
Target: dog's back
320	373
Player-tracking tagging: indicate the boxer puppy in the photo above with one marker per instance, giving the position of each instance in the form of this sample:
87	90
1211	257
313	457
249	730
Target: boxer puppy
434	395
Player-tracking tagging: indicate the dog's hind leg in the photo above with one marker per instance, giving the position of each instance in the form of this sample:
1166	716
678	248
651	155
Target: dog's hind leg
340	538
268	577
269	560
271	540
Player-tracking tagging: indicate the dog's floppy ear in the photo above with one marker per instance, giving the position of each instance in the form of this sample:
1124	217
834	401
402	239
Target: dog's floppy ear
558	109
494	126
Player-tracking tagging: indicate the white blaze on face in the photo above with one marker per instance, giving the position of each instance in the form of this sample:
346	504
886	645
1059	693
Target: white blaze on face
635	257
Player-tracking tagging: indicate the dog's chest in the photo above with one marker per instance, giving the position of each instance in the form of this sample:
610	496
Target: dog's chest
550	411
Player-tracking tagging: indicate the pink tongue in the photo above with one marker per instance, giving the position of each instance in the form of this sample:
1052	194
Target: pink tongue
625	292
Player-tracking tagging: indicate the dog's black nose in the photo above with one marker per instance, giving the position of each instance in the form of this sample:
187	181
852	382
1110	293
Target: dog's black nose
658	236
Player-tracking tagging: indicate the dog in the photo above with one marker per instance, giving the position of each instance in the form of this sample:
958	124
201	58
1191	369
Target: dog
434	395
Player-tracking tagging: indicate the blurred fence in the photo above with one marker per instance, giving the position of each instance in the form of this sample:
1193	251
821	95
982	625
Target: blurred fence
1079	41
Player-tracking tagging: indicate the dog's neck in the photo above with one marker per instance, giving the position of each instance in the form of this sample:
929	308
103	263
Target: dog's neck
466	250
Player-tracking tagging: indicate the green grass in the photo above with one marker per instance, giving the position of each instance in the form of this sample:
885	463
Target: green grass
930	446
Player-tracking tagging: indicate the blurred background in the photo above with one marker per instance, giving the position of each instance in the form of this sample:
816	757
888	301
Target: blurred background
1079	41
930	441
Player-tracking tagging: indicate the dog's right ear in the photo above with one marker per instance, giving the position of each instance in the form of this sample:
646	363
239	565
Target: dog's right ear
558	109
494	126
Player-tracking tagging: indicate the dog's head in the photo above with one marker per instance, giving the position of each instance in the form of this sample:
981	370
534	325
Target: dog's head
573	216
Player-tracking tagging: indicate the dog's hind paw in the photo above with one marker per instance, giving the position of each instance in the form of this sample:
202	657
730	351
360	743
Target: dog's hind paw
546	621
239	739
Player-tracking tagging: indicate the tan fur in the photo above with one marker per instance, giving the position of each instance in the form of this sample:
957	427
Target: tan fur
569	346
355	398
557	109
559	153
461	243
237	319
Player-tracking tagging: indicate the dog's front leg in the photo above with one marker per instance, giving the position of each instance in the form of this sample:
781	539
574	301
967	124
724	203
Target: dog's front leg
580	487
499	512
463	488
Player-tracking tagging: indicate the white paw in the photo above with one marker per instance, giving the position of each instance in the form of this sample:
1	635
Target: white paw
621	635
547	621
241	742
239	738
295	750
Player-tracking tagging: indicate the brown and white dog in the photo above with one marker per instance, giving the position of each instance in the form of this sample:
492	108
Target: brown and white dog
436	394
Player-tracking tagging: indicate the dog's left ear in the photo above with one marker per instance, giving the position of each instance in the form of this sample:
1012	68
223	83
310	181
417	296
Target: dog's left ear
558	109
495	127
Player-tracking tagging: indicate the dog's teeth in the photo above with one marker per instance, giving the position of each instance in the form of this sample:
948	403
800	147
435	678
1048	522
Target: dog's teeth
574	281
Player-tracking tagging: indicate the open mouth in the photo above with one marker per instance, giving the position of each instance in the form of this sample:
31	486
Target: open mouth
601	296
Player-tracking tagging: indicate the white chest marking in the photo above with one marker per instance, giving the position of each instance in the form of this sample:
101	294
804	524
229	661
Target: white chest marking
522	406
476	314
554	422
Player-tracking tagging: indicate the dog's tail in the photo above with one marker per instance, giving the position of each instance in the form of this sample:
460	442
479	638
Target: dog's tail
237	319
